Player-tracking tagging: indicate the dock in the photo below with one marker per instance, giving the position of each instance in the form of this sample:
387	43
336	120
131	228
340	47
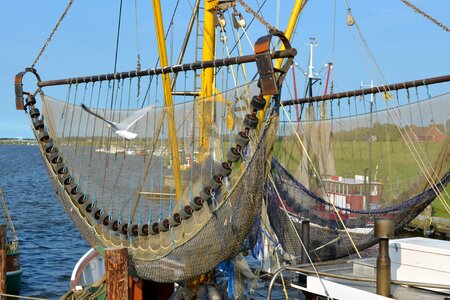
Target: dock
440	226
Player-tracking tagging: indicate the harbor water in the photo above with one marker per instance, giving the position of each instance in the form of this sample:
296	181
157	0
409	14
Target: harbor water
49	242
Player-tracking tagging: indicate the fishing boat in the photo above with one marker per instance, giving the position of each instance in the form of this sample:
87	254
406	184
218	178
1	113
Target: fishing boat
13	269
227	162
171	236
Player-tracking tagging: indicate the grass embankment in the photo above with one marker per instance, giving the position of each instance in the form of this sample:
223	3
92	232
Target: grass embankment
438	207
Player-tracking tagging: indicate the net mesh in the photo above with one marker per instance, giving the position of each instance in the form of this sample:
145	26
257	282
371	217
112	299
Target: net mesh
132	181
368	158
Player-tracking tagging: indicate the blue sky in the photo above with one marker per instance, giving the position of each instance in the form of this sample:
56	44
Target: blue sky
405	44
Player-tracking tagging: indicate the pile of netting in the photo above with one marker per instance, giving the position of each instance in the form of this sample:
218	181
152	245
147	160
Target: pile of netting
290	202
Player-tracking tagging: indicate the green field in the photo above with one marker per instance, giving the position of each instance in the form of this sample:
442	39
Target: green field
397	169
439	209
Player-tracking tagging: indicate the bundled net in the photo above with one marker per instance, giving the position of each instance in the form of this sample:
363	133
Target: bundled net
350	161
123	192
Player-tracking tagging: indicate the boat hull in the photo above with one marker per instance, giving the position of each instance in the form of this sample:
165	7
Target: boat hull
13	273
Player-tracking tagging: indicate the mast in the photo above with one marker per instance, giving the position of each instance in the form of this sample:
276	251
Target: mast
311	78
205	107
168	102
369	169
312	135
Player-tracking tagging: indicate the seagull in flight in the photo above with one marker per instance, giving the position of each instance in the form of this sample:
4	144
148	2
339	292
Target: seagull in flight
121	128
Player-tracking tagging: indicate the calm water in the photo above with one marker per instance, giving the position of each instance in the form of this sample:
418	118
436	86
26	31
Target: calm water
49	242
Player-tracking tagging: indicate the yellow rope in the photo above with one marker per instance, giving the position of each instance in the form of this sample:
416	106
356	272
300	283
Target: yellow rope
300	240
21	297
282	278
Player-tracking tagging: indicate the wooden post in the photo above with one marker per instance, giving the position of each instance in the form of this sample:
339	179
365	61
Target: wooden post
116	265
427	226
305	239
2	260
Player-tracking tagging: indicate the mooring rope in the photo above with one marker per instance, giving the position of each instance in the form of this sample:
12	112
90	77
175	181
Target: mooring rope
21	297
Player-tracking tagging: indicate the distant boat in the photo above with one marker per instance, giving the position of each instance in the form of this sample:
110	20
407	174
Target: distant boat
13	269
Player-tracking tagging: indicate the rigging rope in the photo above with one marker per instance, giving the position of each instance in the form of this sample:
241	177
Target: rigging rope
320	179
419	11
52	33
138	64
411	146
117	51
297	235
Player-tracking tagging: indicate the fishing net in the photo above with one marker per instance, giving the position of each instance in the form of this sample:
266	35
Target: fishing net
113	189
351	161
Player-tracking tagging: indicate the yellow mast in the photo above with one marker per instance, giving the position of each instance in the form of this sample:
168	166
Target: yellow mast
205	106
168	103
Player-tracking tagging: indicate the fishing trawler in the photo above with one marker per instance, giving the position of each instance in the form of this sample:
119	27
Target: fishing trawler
244	175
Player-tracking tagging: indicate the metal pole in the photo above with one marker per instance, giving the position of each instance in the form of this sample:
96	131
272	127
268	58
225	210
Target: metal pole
168	102
305	239
373	90
205	108
186	40
157	71
384	229
298	6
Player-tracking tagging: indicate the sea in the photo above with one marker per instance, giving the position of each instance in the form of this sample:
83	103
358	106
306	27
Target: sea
50	244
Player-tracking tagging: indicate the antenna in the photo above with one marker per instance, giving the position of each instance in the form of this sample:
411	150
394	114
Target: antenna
312	44
311	79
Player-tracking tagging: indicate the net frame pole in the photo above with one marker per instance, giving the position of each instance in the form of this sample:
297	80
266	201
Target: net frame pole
368	91
165	70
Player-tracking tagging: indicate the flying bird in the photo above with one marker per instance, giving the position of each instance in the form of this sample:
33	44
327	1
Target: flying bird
121	128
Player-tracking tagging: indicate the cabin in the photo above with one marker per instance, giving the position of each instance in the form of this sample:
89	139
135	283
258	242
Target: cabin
351	192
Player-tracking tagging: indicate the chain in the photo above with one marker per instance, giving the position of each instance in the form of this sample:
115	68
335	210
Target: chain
53	32
417	10
260	18
255	14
